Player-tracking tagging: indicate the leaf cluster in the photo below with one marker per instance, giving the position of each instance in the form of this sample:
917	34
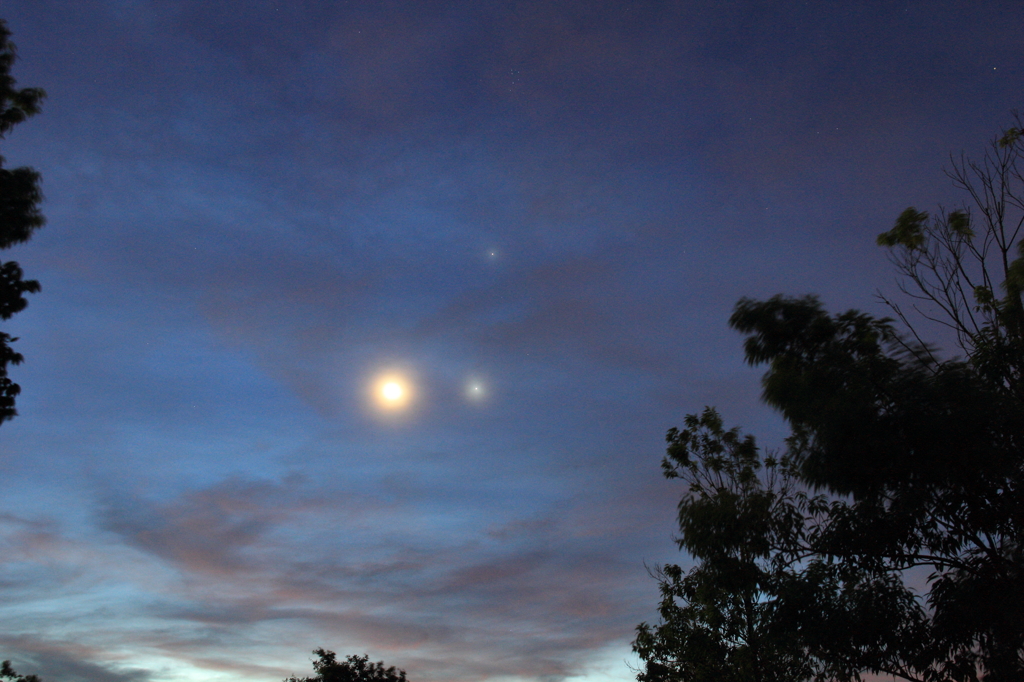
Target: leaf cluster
964	268
762	602
929	454
8	673
327	668
20	216
738	516
898	460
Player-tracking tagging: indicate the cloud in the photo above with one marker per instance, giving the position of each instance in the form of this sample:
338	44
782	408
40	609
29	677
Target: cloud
231	527
249	207
526	597
67	662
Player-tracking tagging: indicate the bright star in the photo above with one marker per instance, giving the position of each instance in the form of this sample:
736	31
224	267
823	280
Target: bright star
475	390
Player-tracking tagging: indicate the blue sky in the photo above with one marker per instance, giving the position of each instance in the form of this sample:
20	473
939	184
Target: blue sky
257	208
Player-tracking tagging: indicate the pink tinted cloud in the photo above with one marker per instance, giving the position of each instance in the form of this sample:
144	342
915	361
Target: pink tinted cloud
525	597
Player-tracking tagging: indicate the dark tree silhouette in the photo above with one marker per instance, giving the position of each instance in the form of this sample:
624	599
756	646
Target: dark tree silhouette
922	459
8	673
739	518
930	450
19	213
759	605
352	669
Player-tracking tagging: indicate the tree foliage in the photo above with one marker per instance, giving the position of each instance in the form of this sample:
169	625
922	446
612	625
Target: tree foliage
917	460
8	673
19	213
352	669
740	520
928	454
760	604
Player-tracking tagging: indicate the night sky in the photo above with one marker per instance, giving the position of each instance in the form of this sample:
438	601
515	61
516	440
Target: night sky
537	216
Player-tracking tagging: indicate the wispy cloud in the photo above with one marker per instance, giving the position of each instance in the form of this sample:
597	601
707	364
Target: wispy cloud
522	595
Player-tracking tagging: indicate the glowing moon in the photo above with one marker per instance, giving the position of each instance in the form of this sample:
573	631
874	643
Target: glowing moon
392	392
